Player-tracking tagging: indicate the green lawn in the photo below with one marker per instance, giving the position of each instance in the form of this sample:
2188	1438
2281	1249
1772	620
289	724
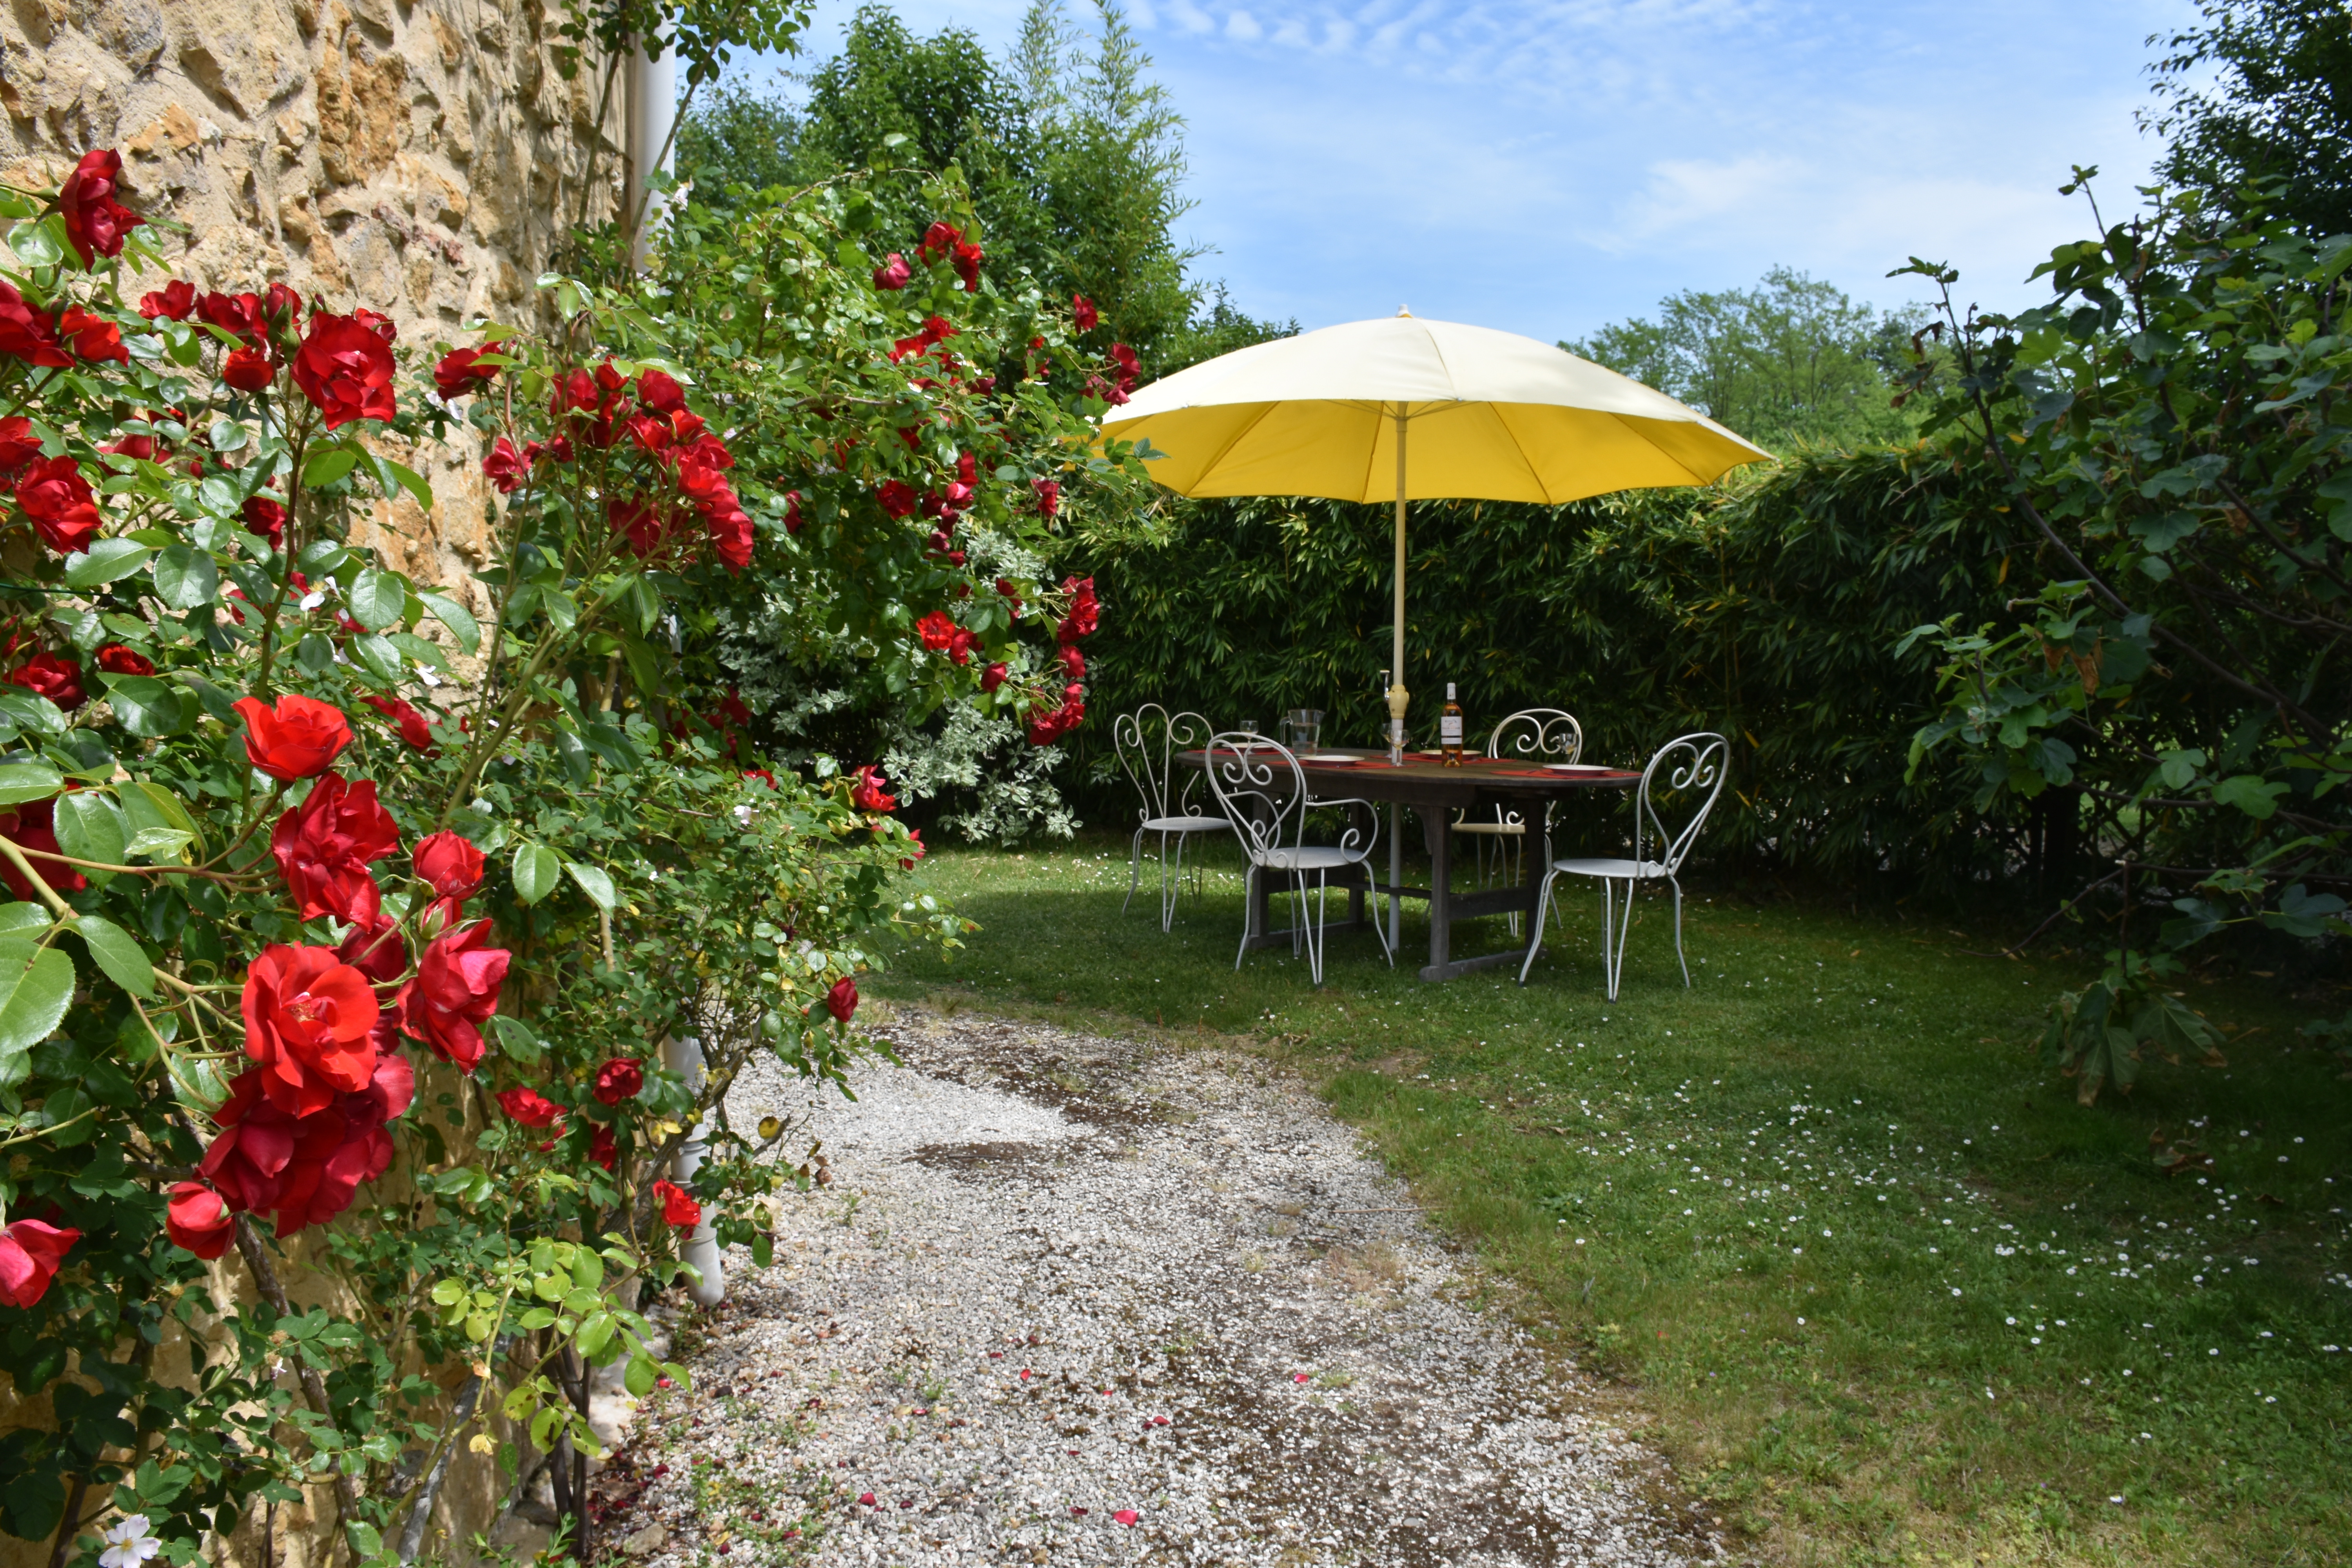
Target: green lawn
1891	1295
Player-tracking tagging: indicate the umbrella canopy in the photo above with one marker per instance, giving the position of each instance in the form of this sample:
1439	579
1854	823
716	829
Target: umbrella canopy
1407	409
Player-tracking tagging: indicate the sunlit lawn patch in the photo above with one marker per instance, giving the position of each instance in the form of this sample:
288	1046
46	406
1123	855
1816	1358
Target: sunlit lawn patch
1888	1288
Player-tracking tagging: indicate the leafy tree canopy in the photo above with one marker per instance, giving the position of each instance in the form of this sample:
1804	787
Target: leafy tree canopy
1790	362
2261	89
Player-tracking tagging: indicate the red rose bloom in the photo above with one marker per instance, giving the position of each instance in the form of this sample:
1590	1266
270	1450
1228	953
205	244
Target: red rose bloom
894	274
248	370
375	950
52	676
239	315
938	632
968	257
678	1208
1074	662
116	659
604	1148
992	676
897	498
455	989
306	1168
344	367
867	794
1049	497
1130	367
915	837
95	222
1083	312
94	339
842	1000
659	391
176	302
300	738
198	1221
416	730
324	846
460	372
527	1107
265	518
619	1080
308	1018
1085	611
19	446
791	512
449	864
53	493
762	774
27	334
32	827
505	468
31	1252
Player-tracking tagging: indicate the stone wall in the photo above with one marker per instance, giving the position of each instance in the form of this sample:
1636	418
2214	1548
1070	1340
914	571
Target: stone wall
421	159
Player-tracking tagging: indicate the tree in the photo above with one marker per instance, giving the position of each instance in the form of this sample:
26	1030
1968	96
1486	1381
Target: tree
1791	362
2276	105
738	138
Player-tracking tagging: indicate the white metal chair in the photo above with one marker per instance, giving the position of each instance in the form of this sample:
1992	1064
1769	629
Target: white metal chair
1693	768
1261	790
1536	735
1148	741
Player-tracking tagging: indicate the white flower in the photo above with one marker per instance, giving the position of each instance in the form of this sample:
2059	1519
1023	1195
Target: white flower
128	1544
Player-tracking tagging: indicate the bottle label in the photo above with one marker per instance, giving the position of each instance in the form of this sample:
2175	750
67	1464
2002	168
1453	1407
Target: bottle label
1449	729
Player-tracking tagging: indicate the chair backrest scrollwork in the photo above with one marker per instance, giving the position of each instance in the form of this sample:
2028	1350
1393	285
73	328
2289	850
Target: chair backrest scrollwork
1146	742
1538	736
1689	771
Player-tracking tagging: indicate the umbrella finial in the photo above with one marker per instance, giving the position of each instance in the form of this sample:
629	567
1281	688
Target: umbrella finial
1403	310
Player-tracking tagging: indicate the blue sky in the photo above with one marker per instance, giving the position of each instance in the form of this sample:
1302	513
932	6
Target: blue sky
1546	166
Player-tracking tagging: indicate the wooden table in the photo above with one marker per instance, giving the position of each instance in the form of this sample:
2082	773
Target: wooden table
1436	792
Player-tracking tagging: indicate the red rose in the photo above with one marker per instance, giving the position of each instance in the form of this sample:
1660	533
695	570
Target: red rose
1049	497
95	222
678	1208
53	493
375	950
30	1253
308	1018
1074	661
968	257
449	864
239	315
865	791
281	311
461	371
659	391
527	1107
897	498
174	302
604	1148
762	774
506	468
791	512
19	446
416	730
1085	611
95	340
619	1080
455	989
32	827
344	367
936	631
1130	367
299	739
914	837
266	519
27	334
939	240
1083	312
842	1000
248	370
52	676
894	274
116	659
307	1169
198	1221
324	846
992	676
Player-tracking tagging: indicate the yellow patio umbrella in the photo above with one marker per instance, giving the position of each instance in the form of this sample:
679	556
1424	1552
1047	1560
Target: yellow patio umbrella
1488	415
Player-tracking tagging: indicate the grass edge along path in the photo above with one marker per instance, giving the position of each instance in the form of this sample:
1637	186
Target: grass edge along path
1890	1294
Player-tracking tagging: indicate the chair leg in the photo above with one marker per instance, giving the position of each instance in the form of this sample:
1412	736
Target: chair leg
1249	885
1536	928
1625	930
1678	932
1134	866
1314	933
1170	885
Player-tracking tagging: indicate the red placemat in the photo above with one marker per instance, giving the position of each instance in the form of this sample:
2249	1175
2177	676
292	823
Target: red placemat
1549	773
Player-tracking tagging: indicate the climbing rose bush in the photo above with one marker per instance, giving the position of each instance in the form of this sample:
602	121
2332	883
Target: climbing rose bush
355	919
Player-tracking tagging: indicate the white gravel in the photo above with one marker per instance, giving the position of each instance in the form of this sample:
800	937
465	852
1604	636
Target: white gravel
1057	1278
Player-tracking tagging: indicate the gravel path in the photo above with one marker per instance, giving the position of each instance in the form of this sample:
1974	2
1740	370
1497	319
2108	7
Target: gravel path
1072	1300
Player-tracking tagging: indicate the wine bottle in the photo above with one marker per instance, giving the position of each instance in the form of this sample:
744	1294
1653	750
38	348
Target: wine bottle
1449	728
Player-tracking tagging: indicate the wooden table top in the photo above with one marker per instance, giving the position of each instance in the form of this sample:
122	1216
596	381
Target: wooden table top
1424	774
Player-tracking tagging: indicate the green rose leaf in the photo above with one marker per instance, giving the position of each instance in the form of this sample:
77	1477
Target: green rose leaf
329	465
456	617
90	827
149	708
377	598
35	983
595	882
21	781
118	954
185	578
536	867
106	561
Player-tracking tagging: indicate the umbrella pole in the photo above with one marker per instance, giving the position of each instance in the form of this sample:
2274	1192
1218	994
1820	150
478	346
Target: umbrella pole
1398	696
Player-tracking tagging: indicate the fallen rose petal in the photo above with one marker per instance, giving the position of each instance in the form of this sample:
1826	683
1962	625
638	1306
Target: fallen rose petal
1298	1377
1127	1516
1024	1375
1160	1421
865	1500
1077	1513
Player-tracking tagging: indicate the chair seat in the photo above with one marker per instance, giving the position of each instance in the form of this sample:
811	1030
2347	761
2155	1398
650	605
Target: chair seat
1183	824
1639	870
1307	857
1516	829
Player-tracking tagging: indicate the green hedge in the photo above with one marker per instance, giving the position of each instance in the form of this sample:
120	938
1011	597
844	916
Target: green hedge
1769	610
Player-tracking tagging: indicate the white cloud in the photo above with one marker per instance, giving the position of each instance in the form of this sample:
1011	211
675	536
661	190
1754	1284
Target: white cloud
1192	18
1242	25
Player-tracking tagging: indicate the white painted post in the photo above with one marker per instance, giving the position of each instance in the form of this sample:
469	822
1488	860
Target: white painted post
653	114
684	1058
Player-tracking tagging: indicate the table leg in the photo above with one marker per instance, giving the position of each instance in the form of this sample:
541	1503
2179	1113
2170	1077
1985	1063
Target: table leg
1396	868
1436	826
